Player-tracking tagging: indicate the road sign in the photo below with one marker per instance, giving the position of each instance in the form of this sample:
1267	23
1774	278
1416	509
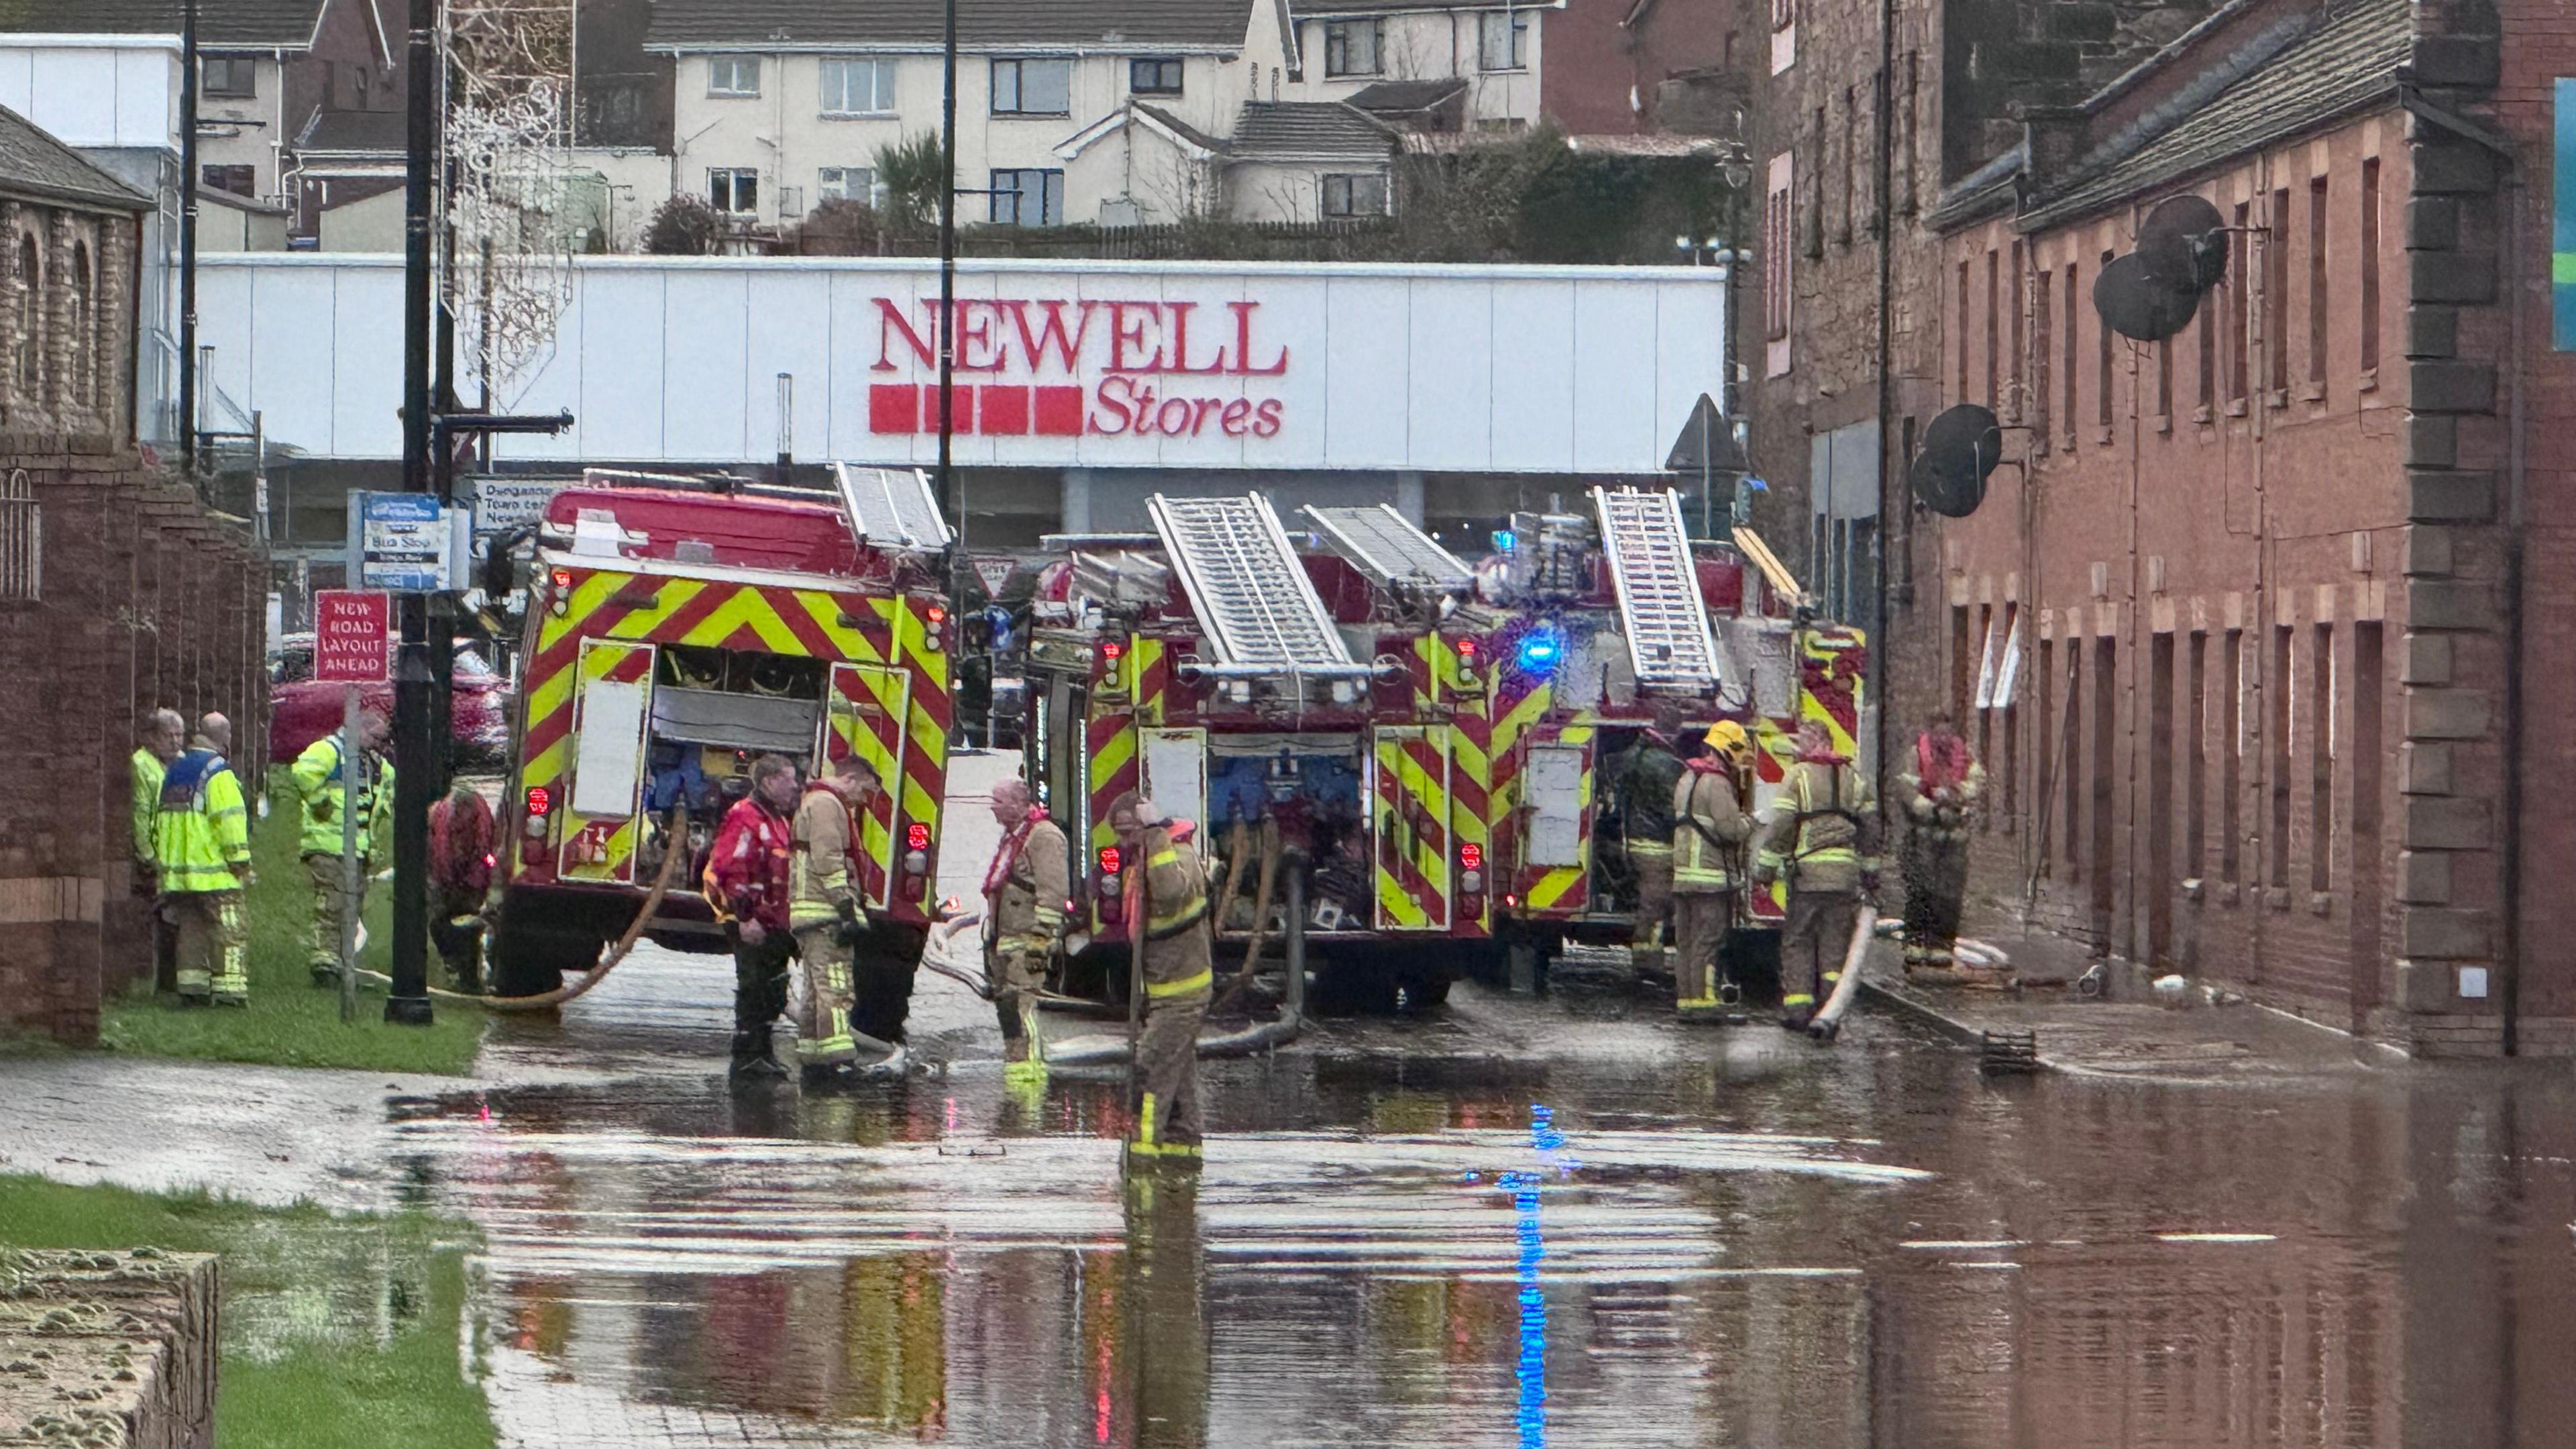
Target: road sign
502	503
995	572
403	541
352	636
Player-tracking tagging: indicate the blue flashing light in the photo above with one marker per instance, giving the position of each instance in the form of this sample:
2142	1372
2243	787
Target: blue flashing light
1540	651
1505	540
1757	485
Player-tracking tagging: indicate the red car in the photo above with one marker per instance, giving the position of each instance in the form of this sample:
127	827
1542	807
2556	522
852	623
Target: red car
301	711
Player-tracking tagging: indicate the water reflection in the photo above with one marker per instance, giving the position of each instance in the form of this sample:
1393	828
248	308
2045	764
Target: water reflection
1878	1250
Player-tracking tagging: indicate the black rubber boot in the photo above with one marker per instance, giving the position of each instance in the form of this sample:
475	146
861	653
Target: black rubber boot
751	1058
1796	1018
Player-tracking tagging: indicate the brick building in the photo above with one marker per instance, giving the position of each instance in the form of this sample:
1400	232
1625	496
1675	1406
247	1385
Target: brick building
2233	640
118	591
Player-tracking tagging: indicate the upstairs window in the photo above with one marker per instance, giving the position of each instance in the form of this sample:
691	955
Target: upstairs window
1033	88
228	77
1351	47
733	75
1154	77
240	180
858	87
1502	40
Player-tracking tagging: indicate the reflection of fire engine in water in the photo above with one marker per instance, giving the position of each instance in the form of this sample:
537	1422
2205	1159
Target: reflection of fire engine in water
1405	751
676	631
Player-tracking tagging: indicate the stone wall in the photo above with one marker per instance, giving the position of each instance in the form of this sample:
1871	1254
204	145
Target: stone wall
108	1350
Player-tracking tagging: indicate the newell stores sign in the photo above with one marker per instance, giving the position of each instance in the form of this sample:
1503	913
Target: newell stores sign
1586	370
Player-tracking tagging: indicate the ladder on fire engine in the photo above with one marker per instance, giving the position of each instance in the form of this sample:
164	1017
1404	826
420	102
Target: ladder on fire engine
1246	585
1384	545
1658	582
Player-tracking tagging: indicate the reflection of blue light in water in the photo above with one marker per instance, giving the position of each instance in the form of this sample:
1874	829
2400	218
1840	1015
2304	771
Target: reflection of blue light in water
1524	1188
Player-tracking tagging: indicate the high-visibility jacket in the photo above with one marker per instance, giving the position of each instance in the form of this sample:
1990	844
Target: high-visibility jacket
148	772
1709	831
321	782
1028	909
822	874
748	866
1172	890
1829	840
200	831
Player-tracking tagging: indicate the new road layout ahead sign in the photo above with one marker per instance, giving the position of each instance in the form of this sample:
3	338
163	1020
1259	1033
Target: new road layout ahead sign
352	636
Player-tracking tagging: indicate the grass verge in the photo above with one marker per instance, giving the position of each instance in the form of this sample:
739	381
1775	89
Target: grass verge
337	1330
289	1021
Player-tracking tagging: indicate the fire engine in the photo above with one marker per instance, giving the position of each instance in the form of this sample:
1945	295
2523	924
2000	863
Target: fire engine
1406	748
676	631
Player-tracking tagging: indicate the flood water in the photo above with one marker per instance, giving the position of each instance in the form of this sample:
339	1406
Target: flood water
1612	1232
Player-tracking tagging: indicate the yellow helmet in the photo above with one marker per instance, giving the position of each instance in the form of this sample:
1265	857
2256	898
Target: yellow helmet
1727	738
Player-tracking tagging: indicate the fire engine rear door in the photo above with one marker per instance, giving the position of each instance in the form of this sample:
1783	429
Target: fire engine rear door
1556	818
1409	817
613	695
1176	776
868	707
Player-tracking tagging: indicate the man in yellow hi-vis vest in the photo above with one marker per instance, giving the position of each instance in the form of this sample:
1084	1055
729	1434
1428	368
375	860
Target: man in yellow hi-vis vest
201	850
162	739
827	914
1825	840
1166	911
327	784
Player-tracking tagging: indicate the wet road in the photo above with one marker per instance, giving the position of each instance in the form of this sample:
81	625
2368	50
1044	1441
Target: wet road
1510	1223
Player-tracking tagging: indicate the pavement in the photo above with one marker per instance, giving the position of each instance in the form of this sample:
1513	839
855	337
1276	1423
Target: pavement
2122	1029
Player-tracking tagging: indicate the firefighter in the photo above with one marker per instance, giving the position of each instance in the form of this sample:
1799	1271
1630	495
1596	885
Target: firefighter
322	780
828	913
747	882
1709	830
1024	895
201	855
163	736
460	876
1648	780
1826	844
1167	916
1940	797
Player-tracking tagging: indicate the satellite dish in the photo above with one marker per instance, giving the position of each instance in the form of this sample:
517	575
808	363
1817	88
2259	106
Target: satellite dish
2184	244
2134	304
1960	448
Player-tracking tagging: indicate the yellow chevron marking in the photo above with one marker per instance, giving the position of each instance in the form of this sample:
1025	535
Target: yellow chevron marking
612	864
746	608
1149	708
1552	887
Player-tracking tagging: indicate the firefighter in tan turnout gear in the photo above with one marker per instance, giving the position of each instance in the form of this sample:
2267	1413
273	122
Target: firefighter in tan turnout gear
1710	827
1825	840
827	915
1024	894
1167	912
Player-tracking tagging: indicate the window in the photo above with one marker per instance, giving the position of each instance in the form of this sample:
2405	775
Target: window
22	539
846	183
1351	47
1033	88
2039	324
29	275
1994	350
2370	264
2321	759
736	192
1154	77
2238	333
1358	194
239	180
733	75
858	87
1775	251
2102	399
1964	304
1028	198
1851	151
2231	756
2317	287
2195	841
2074	320
2276	301
2164	384
232	77
1502	40
83	323
2013	403
1911	136
2207	326
1814	244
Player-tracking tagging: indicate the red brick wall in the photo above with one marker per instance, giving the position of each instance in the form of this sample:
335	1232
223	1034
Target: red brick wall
148	601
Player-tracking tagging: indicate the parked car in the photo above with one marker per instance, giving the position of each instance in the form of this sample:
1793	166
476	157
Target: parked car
302	711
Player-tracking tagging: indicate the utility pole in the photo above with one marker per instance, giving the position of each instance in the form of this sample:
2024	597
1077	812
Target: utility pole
948	281
408	1001
188	241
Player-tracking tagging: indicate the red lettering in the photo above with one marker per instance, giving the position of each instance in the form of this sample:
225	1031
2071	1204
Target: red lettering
1163	420
1181	342
1234	418
1265	421
1123	336
1051	336
1206	405
1243	346
1114	397
974	333
889	322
